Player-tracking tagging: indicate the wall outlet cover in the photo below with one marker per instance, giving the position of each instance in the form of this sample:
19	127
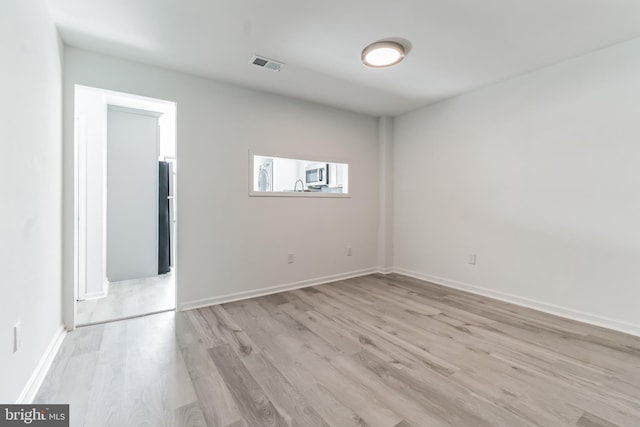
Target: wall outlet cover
17	339
471	258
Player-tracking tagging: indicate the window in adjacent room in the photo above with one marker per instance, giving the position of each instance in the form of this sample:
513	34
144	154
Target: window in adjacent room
281	176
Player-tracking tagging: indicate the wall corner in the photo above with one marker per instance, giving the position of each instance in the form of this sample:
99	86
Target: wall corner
385	191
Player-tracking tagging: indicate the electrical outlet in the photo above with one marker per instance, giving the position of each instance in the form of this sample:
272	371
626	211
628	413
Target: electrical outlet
349	251
471	258
17	339
291	258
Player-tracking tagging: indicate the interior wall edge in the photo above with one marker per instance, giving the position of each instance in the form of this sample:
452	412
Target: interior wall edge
42	368
565	312
385	191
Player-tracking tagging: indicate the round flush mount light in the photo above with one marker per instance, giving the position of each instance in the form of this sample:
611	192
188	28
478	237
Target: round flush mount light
383	54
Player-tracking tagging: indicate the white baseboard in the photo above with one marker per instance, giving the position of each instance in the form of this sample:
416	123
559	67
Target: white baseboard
35	381
386	270
236	296
569	313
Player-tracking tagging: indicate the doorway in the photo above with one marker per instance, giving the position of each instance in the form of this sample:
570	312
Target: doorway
125	202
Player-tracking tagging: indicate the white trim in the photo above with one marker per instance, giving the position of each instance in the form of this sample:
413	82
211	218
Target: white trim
569	313
35	381
81	194
123	109
387	270
236	296
299	194
301	156
95	295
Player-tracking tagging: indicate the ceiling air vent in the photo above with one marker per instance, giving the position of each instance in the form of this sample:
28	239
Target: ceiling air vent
267	63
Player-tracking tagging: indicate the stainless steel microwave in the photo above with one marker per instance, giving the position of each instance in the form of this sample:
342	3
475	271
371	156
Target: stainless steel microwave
317	174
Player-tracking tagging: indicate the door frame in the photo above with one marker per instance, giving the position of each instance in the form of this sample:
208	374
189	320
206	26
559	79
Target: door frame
78	136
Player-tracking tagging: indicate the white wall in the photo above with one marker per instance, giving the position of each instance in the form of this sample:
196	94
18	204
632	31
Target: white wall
540	176
229	242
30	137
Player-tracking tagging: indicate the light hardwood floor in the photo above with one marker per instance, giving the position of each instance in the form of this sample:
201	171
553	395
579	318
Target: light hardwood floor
373	351
129	298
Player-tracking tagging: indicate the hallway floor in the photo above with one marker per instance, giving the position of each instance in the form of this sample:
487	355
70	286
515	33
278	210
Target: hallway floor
129	298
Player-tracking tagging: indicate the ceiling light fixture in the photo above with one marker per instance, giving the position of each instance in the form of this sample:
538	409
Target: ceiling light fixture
383	54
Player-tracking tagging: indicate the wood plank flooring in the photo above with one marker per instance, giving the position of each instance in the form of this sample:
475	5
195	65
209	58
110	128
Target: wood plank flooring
380	350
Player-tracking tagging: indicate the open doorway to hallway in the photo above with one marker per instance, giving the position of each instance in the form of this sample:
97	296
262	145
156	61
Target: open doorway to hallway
125	204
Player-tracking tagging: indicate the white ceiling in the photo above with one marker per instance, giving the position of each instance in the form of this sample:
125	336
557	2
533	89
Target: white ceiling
456	45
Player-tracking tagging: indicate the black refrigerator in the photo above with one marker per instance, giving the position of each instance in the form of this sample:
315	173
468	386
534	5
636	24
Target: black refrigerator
164	219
